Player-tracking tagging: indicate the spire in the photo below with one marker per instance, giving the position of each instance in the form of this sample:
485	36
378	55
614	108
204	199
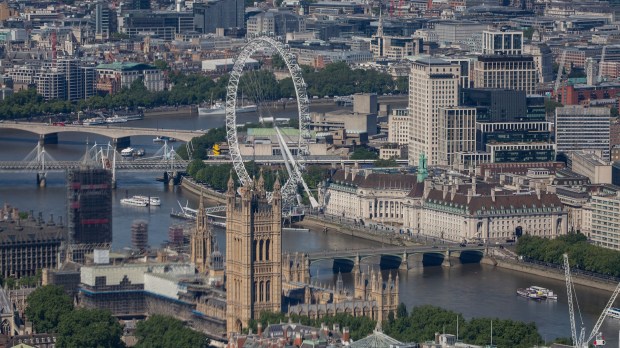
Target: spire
260	185
201	204
277	186
231	184
380	26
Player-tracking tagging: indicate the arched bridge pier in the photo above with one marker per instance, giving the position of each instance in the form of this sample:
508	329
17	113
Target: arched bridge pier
398	258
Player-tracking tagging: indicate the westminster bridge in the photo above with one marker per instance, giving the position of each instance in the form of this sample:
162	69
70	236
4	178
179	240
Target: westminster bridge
398	257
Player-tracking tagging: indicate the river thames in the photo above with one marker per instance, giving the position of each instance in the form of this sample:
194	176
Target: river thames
472	289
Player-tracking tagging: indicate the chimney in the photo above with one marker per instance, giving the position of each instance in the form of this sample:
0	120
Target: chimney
427	187
353	172
502	179
259	328
346	336
470	194
445	191
538	190
453	192
473	186
493	194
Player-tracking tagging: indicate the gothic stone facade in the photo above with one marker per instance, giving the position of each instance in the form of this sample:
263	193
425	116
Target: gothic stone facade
253	253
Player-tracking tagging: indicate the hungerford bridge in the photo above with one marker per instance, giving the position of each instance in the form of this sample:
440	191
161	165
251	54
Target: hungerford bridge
104	156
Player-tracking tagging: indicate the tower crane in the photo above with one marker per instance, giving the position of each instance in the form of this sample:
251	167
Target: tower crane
599	79
581	341
558	79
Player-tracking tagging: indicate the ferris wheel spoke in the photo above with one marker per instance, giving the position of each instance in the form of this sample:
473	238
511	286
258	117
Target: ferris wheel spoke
289	189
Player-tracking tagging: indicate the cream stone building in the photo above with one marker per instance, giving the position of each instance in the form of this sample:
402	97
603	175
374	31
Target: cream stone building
253	253
363	195
478	212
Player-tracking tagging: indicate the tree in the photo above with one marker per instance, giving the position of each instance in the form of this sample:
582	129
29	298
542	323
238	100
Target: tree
551	105
528	33
277	61
363	153
161	331
386	163
161	65
46	306
89	328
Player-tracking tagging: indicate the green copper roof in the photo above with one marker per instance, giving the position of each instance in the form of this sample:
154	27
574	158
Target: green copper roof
125	66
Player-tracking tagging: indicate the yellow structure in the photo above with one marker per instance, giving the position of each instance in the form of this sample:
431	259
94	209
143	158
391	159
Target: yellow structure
253	253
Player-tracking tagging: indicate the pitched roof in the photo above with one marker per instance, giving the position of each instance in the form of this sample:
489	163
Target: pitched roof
376	340
376	180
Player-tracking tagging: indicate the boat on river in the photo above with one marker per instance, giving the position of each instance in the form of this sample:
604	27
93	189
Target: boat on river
544	293
537	293
134	202
614	312
154	201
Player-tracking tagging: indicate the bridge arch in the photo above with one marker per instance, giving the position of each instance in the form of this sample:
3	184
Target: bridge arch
106	131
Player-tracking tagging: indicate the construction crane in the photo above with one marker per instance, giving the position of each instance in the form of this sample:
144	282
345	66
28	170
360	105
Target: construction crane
599	79
581	341
558	78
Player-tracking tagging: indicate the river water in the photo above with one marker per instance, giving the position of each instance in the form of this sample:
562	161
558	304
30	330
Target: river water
472	289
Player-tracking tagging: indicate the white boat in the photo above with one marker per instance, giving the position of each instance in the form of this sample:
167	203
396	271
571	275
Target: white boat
139	153
164	139
220	109
544	293
130	116
613	312
127	152
94	121
115	119
134	202
154	201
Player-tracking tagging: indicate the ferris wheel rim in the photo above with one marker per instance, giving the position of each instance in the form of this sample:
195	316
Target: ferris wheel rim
231	101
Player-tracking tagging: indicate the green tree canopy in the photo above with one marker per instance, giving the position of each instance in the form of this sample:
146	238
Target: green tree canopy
161	331
581	254
362	153
93	328
46	306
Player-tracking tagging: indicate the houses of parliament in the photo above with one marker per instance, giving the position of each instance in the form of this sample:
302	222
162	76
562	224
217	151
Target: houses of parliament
258	278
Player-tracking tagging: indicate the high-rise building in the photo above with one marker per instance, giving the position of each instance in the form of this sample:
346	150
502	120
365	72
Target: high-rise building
502	42
89	217
606	221
209	16
582	128
433	83
202	240
507	72
90	81
105	20
160	24
253	253
51	84
457	132
74	78
275	22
